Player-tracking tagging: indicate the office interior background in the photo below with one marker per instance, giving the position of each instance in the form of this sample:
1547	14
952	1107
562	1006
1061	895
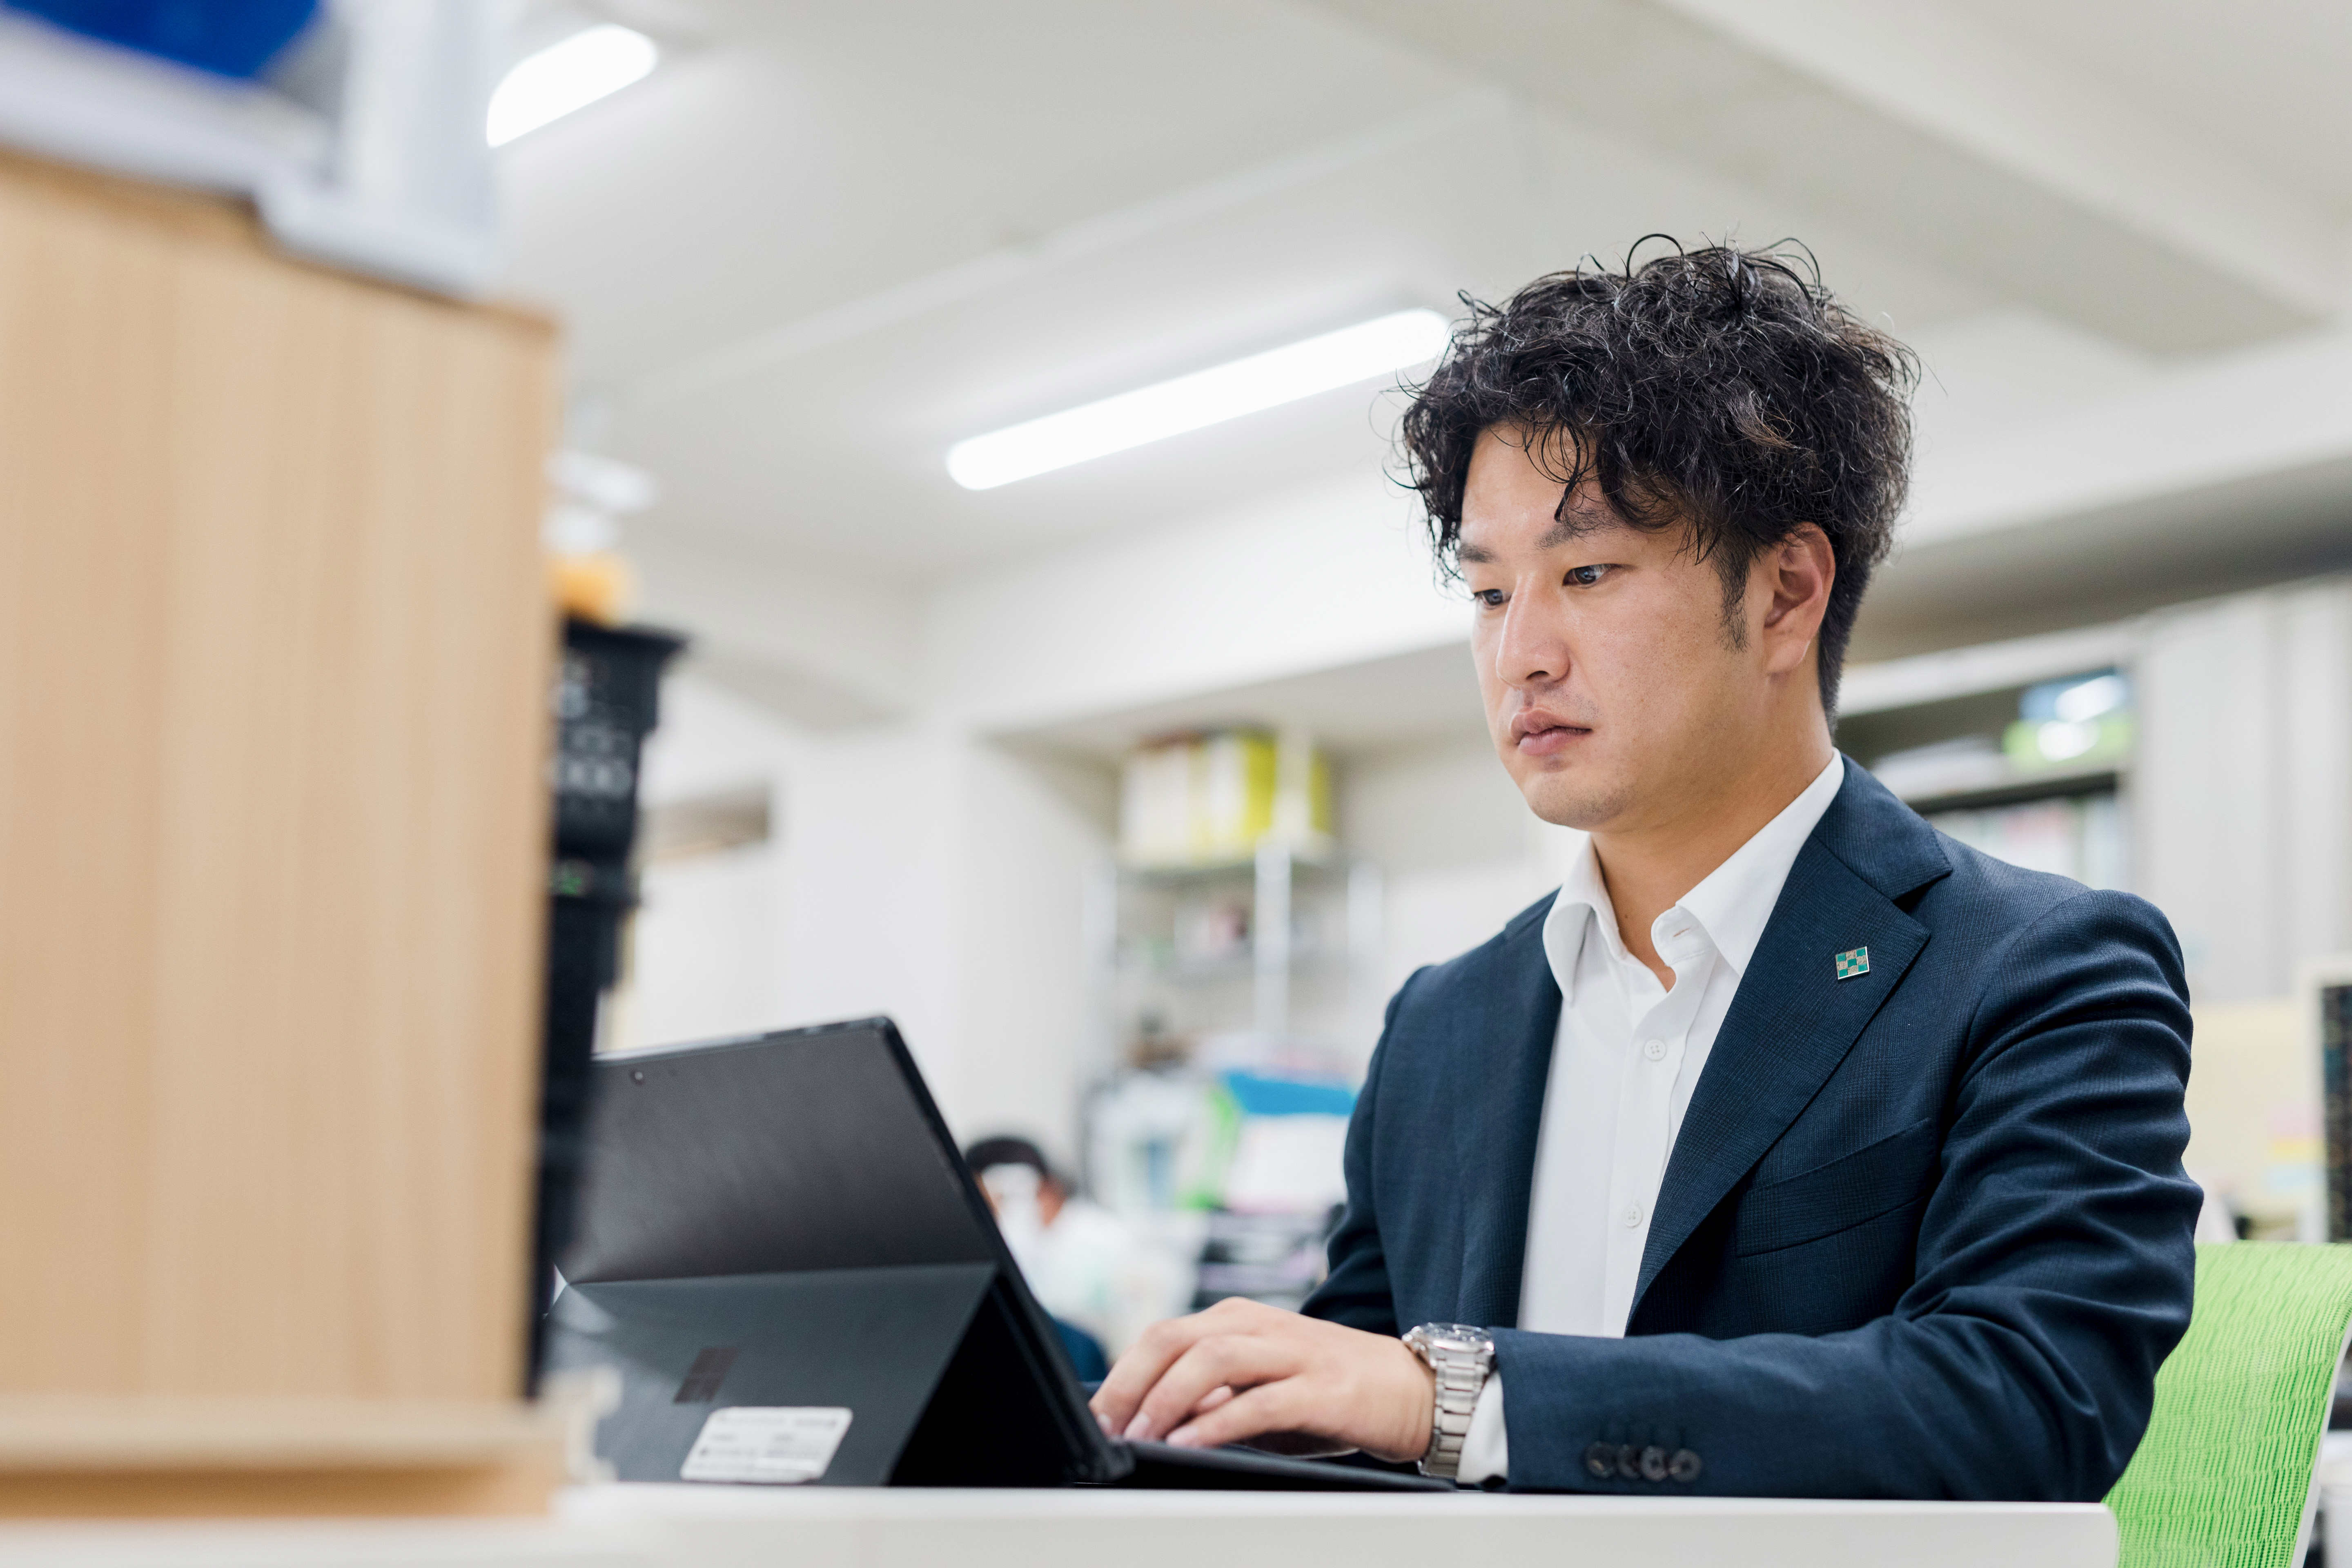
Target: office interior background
1132	775
816	248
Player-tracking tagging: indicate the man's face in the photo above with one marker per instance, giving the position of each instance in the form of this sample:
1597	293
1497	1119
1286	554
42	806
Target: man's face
1613	687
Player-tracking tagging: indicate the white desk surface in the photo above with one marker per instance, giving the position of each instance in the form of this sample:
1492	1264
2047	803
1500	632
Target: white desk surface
733	1527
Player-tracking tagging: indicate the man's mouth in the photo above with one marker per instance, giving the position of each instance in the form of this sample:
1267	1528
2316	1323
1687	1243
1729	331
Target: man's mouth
1543	734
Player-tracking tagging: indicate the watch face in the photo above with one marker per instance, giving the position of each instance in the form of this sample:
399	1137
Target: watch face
1455	1336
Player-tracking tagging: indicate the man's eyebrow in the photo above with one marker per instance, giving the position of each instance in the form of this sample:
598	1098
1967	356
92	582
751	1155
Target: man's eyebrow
1567	530
1563	530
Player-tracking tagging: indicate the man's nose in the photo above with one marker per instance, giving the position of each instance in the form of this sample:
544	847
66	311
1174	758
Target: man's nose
1529	651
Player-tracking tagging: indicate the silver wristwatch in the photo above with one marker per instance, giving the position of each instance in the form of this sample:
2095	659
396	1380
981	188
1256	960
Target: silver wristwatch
1463	1358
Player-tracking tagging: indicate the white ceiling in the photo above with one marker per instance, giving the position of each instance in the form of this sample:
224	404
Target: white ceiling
791	157
2264	81
823	242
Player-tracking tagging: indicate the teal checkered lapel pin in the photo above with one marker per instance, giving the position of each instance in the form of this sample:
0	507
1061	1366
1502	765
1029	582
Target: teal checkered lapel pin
1849	964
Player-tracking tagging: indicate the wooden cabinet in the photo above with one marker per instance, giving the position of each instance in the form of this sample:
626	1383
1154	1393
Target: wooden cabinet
274	638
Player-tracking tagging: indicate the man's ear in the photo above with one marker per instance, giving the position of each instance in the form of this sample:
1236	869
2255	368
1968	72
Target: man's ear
1798	573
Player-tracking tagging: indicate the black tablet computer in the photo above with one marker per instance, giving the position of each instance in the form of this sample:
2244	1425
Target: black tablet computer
782	1256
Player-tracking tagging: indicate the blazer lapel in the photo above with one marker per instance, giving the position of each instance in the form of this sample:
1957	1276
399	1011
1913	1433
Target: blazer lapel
1508	1062
1790	1023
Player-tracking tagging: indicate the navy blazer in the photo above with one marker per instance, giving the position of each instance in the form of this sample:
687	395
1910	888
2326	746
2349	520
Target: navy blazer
1925	1231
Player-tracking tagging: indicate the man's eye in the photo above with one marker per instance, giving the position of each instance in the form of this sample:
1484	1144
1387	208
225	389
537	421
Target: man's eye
1493	598
1585	576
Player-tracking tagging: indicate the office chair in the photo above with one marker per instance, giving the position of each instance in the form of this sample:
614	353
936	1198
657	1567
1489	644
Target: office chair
2224	1476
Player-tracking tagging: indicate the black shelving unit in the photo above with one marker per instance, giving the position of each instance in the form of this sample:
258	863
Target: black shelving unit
607	700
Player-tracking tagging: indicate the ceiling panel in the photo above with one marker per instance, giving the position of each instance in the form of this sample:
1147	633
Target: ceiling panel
2264	81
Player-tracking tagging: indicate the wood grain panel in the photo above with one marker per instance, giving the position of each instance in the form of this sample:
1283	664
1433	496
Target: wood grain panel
273	652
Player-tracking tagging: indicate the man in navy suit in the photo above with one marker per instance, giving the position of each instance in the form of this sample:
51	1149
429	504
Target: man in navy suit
1791	1149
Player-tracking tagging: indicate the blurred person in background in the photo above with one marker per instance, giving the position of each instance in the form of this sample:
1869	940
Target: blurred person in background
1792	1148
1070	1250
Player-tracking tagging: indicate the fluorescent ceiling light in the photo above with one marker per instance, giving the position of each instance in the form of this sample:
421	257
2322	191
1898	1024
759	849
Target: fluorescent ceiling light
1281	376
591	64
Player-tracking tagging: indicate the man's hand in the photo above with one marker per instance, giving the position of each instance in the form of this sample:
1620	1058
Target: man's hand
1243	1370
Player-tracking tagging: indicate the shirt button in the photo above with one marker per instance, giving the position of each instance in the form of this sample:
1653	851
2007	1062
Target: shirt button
1655	1050
1632	1216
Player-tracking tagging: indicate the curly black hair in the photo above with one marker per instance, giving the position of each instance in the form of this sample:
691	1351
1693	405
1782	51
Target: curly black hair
1720	387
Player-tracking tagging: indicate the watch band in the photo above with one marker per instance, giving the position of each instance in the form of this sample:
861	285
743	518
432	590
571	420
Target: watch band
1460	1358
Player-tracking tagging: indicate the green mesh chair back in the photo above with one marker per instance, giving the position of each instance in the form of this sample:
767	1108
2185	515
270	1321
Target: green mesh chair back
2224	1476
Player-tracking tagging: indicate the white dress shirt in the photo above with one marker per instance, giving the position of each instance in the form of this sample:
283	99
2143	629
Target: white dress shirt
1628	1054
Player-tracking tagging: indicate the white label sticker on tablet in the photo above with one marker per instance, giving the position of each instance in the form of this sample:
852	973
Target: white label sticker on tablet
775	1444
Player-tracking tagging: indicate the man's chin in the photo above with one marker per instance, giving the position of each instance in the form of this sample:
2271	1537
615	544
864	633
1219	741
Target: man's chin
1585	804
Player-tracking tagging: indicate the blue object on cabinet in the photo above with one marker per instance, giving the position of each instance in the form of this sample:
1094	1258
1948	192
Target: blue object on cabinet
1258	1094
227	38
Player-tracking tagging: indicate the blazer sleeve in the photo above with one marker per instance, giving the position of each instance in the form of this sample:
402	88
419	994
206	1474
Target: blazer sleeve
2054	1275
1356	1292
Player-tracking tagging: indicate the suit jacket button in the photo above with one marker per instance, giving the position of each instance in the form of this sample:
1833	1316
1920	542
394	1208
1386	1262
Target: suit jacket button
1629	1462
1601	1459
1653	1463
1684	1466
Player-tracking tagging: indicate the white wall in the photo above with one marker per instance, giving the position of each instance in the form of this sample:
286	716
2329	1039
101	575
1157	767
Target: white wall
816	643
1327	575
2242	792
913	870
1459	854
1027	1034
703	953
705	945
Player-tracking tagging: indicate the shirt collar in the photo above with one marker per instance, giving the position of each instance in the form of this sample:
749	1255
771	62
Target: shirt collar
1732	904
1580	909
